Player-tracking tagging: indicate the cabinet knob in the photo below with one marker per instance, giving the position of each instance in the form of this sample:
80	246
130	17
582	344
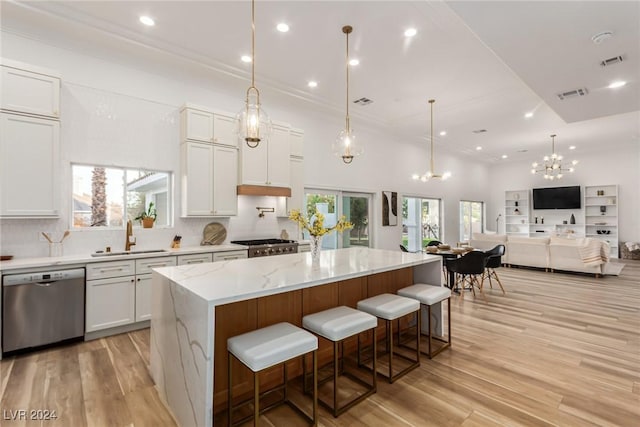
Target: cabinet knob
215	139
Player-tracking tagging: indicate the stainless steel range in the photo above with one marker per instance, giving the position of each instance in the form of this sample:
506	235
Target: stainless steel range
268	247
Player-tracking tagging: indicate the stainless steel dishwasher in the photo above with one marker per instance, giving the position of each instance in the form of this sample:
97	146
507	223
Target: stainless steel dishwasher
42	308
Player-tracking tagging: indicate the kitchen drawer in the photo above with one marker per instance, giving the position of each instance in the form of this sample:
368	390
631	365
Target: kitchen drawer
225	256
104	270
145	265
194	259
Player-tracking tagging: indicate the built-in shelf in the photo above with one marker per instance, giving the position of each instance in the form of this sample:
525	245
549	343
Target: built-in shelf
599	212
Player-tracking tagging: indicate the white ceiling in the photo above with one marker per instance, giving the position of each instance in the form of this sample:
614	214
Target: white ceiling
485	63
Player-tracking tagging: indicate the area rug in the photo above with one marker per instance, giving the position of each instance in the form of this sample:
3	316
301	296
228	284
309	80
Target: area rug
612	269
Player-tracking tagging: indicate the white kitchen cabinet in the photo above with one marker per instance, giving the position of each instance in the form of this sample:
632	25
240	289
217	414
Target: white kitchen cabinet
29	155
224	130
296	143
110	303
209	179
144	268
229	255
296	168
105	270
268	163
30	90
195	259
196	125
202	124
143	297
116	296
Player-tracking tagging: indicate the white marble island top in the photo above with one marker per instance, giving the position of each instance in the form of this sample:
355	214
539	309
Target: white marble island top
224	282
185	300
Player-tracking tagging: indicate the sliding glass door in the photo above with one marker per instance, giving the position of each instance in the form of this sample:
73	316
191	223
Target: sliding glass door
420	222
356	207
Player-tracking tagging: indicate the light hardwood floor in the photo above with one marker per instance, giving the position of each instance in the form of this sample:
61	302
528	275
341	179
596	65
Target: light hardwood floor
558	349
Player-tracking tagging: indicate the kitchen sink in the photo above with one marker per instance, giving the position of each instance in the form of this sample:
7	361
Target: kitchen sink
117	253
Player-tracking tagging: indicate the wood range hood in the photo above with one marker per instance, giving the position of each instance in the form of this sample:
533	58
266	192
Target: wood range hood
263	190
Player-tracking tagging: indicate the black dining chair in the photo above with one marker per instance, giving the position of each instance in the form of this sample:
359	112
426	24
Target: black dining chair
403	248
467	269
434	243
494	260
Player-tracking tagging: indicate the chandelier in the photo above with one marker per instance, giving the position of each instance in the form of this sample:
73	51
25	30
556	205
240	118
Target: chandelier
430	174
345	144
253	123
552	165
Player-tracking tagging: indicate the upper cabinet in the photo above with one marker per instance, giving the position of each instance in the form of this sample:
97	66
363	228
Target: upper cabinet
200	124
268	163
29	148
209	163
29	142
30	90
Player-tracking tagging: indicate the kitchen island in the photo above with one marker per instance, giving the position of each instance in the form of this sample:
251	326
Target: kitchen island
196	308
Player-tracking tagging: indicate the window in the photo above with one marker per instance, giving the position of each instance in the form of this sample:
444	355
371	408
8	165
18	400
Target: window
471	220
356	207
420	222
109	196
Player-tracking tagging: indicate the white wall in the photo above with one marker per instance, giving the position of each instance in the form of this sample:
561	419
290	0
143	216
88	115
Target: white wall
620	167
144	134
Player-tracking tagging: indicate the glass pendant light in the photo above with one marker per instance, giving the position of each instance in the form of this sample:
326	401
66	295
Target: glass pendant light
253	123
431	172
346	145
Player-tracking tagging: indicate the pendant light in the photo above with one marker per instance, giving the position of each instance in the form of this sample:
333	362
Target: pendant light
346	145
431	174
552	166
253	123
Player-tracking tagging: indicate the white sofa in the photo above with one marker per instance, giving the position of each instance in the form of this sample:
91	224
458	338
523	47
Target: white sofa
554	253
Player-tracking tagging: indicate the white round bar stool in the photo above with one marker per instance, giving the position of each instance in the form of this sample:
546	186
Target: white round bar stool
429	295
336	325
267	347
389	307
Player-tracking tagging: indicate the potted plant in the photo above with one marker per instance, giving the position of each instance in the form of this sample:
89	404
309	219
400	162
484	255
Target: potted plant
148	217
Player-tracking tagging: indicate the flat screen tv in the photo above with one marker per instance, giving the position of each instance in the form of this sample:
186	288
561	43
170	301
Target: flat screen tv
557	198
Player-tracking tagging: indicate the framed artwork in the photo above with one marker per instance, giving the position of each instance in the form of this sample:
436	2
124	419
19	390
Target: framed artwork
389	208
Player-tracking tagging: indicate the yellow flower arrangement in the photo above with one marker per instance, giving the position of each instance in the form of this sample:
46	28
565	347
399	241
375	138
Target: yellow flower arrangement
317	228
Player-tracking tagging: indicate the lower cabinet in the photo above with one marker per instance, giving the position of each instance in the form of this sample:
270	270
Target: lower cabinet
110	303
119	292
143	297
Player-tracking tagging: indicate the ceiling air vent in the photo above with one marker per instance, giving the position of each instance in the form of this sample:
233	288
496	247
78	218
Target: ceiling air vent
611	61
363	101
479	131
572	93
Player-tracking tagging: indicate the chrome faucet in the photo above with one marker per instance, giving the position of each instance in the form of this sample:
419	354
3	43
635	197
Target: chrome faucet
130	239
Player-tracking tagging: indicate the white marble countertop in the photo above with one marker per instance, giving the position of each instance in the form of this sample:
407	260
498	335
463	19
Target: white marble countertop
236	280
45	262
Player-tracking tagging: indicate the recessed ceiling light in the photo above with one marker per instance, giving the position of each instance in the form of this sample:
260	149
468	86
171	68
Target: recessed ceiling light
478	148
312	84
245	58
354	62
528	115
282	27
443	133
617	84
410	32
504	156
148	21
572	147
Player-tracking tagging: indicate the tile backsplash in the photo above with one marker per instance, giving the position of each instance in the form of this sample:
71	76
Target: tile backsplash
22	237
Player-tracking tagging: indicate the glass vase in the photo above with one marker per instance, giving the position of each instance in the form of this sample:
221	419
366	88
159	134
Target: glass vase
316	245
